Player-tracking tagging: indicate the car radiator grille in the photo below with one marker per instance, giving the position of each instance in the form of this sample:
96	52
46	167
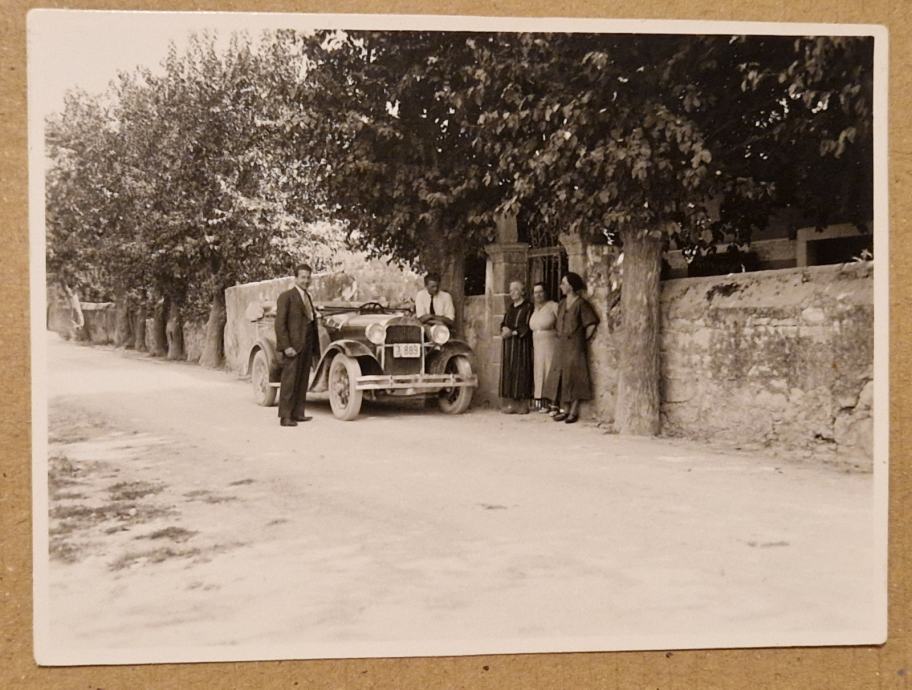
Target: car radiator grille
398	333
403	334
396	365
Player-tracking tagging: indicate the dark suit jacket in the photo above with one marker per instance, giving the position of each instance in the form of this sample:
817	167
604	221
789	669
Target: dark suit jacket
292	327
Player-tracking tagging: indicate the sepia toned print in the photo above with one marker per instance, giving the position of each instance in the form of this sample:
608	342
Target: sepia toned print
357	223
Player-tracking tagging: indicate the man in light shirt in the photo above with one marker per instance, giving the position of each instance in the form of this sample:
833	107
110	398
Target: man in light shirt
433	305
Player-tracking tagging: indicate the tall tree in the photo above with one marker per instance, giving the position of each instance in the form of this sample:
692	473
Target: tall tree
394	164
181	185
637	138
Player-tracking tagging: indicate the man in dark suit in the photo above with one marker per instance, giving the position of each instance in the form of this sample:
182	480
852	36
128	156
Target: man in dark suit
297	342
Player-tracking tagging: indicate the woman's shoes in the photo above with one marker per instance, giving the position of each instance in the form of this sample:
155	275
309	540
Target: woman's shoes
571	418
560	417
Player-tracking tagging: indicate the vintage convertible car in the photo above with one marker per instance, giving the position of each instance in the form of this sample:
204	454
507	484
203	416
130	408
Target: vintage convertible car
369	350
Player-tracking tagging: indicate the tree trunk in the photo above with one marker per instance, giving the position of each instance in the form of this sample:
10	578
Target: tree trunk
637	410
159	329
214	345
138	317
448	260
452	276
79	328
174	331
123	335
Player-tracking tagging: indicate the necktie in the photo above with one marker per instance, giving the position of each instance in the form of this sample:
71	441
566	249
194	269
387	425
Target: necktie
432	306
308	309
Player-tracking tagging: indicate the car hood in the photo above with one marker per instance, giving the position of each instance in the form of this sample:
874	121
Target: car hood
354	320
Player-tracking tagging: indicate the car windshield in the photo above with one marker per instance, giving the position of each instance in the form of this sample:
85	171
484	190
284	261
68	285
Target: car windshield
330	308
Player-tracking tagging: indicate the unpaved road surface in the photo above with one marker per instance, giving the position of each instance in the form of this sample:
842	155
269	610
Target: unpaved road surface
185	522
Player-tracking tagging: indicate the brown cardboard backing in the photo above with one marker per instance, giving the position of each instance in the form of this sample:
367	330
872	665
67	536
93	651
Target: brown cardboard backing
887	666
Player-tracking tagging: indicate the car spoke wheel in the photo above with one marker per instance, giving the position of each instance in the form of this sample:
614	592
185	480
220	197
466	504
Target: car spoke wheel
456	400
263	393
344	398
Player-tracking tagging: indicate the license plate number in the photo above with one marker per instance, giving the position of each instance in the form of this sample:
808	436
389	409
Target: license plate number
407	350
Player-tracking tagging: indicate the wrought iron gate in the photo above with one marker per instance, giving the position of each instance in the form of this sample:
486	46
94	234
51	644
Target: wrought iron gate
547	265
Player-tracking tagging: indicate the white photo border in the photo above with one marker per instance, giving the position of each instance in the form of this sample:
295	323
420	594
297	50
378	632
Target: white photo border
46	655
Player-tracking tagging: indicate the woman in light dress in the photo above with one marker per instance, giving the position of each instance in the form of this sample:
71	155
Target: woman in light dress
543	323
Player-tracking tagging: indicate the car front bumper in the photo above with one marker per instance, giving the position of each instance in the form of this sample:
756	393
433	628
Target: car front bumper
415	381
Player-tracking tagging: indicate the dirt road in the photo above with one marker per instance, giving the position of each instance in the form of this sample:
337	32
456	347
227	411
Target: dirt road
185	521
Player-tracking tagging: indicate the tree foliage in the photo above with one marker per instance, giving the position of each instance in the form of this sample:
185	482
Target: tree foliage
177	183
210	170
395	164
420	137
597	133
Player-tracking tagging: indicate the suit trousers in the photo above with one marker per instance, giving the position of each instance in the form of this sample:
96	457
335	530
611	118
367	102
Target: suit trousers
293	391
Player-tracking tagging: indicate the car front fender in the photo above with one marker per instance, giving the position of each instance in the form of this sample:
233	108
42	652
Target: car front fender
438	360
350	348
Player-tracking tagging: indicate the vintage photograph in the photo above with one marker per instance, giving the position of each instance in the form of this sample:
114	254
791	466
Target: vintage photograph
363	335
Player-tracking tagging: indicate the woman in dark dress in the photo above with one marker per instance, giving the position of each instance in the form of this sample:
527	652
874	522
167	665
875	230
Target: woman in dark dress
569	381
516	364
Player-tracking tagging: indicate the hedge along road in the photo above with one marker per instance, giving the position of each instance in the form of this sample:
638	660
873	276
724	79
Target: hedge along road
184	516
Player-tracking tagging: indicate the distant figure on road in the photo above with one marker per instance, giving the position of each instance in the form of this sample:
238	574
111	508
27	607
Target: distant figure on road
433	305
544	341
516	367
297	342
568	381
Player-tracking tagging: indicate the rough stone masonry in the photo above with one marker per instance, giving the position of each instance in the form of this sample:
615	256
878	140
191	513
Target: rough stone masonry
776	358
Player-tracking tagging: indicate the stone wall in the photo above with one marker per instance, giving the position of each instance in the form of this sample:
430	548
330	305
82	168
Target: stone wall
484	338
100	320
774	358
240	333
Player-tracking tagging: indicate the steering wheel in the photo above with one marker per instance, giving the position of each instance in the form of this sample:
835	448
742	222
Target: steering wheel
371	306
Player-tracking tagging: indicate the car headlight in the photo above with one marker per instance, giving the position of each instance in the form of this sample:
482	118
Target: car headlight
376	333
440	333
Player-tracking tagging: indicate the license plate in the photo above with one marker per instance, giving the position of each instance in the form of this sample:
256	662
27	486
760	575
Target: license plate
407	350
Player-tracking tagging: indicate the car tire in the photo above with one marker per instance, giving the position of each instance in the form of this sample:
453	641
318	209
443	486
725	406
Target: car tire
263	393
344	398
456	400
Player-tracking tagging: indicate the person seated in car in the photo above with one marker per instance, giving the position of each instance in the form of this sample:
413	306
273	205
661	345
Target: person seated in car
433	305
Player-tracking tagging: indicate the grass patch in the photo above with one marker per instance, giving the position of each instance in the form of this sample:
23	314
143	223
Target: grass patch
207	496
130	491
178	534
160	555
62	474
71	518
69	496
65	551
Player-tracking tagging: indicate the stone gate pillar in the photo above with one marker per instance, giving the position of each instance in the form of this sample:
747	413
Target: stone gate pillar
575	246
507	261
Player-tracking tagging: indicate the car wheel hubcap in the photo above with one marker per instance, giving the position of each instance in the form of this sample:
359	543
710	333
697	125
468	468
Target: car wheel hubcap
341	387
450	394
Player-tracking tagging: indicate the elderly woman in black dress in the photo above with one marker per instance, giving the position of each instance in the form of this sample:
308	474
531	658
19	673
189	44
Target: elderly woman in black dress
516	364
568	381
